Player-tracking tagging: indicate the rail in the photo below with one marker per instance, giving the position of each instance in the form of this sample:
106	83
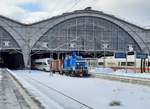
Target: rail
61	93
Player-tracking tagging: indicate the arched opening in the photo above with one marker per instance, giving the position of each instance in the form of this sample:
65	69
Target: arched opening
11	60
10	53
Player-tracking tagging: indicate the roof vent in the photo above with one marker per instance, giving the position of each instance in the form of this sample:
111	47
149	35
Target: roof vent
88	8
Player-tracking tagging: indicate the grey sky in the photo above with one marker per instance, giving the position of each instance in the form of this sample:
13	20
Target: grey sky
28	11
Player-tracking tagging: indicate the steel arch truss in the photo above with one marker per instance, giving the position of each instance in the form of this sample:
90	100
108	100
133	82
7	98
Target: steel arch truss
86	34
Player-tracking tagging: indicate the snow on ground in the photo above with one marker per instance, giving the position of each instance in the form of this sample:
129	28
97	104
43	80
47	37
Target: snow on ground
120	72
132	74
94	92
102	70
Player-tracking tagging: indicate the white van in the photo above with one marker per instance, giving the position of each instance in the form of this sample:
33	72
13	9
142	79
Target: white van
42	64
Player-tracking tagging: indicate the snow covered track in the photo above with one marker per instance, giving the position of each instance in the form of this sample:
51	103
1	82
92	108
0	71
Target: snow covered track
62	92
56	98
71	99
123	78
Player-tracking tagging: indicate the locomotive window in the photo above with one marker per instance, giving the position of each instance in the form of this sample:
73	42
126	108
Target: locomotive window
100	63
130	63
123	63
38	63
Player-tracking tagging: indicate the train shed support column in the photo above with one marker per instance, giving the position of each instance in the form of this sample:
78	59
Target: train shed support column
26	55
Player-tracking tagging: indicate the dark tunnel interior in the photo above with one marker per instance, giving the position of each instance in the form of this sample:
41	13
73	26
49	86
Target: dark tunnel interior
11	60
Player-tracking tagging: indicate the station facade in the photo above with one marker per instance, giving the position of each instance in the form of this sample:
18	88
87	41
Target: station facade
82	30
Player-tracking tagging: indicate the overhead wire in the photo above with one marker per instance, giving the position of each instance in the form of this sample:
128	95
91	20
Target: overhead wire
75	4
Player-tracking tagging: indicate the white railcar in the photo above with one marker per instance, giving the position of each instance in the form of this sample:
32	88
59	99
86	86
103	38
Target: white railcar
132	63
42	64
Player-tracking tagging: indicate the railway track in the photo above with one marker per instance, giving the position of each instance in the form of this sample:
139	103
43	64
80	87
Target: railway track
126	79
61	100
54	95
83	105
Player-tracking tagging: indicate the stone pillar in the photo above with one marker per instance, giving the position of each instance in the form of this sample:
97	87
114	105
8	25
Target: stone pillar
26	55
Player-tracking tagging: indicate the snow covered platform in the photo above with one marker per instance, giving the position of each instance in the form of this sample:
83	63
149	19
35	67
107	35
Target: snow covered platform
122	75
61	92
121	72
10	96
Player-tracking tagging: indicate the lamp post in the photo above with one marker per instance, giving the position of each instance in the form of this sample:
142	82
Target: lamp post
126	61
51	57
